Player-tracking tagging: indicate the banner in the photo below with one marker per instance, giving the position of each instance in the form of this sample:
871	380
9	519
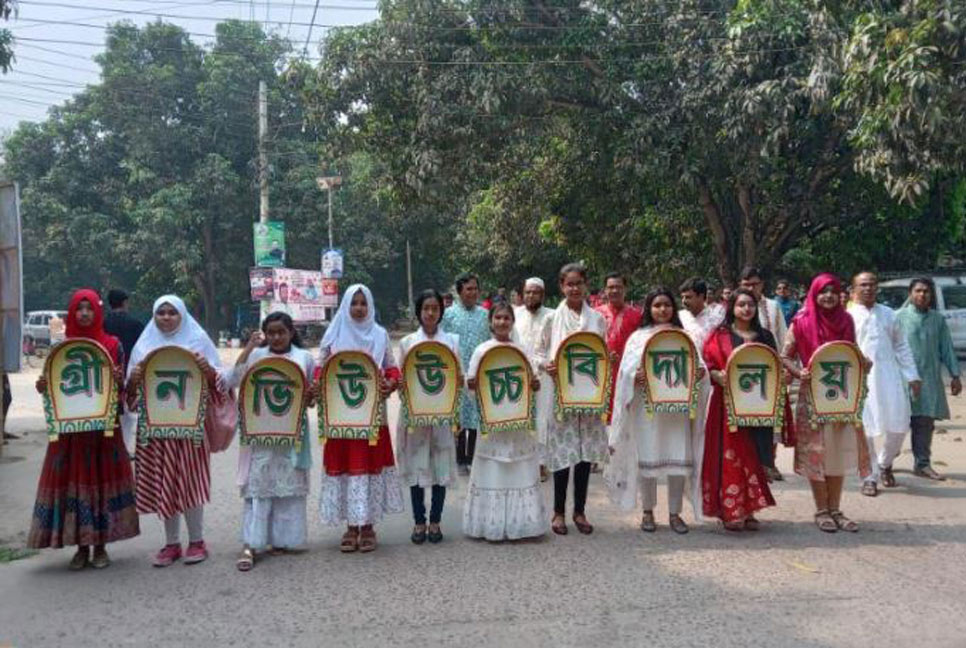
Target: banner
269	244
754	390
173	396
82	394
837	386
670	367
262	283
299	294
330	293
583	376
431	388
272	403
349	398
332	264
504	389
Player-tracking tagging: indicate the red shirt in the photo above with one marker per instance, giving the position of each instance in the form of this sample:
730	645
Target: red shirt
620	324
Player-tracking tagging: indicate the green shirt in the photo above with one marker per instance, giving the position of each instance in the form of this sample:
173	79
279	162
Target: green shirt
932	347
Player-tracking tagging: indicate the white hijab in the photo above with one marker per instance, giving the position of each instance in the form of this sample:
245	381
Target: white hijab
346	334
189	335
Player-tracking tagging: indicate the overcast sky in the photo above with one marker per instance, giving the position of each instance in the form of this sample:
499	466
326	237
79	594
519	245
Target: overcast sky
56	39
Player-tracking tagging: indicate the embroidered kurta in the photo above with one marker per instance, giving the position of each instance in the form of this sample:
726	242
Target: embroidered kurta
932	347
878	334
772	318
530	328
473	328
700	326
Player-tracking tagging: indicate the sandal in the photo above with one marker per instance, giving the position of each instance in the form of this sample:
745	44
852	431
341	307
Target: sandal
559	525
367	540
870	489
843	522
246	560
435	534
350	540
888	478
648	525
677	524
278	551
419	534
825	522
80	560
583	525
100	559
752	524
734	526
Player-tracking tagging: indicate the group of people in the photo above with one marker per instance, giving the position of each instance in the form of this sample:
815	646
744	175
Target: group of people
89	496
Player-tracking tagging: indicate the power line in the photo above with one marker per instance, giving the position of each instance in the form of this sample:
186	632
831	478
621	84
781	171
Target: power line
305	48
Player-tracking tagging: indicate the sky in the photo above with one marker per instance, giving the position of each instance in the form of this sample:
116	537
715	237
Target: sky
56	39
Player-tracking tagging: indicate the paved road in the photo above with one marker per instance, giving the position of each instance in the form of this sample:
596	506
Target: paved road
901	581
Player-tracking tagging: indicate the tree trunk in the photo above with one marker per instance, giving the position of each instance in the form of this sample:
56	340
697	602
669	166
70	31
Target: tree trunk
724	258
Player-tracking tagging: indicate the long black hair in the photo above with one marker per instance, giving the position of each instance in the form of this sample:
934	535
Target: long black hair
729	319
429	293
286	320
660	291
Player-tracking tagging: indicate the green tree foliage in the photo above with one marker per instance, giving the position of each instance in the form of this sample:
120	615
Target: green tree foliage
6	38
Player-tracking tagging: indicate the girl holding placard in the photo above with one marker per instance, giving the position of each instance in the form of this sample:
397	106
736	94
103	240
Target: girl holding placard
274	481
646	447
427	454
86	492
504	500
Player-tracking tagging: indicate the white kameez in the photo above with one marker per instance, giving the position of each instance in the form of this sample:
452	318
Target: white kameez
274	482
578	437
659	445
427	455
771	317
504	500
529	329
700	326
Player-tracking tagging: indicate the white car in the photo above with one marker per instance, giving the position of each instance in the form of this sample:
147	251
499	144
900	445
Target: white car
37	325
950	302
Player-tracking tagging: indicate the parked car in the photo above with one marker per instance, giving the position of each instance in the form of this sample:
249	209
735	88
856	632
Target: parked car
950	302
37	325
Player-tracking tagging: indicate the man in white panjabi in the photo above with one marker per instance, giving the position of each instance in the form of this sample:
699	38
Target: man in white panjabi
698	318
887	410
531	320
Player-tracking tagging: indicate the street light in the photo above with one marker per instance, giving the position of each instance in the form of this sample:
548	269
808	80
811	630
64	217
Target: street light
327	184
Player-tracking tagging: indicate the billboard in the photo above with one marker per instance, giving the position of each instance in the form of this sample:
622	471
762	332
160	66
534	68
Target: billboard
298	293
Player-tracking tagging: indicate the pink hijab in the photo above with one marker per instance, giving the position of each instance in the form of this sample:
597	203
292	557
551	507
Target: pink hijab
814	325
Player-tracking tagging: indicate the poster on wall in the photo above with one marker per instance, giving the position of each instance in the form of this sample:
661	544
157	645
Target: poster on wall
332	264
270	244
298	293
262	283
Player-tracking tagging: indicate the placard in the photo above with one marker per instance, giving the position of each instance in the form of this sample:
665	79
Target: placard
272	403
670	367
82	393
583	380
173	397
349	398
754	392
504	389
837	386
431	373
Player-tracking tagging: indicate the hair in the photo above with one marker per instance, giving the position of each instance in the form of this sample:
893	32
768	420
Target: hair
429	293
660	291
862	272
729	319
116	297
696	285
286	321
501	306
572	267
615	275
929	283
464	279
748	272
783	281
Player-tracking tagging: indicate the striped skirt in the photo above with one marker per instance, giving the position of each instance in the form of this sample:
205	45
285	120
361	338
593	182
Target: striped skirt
172	476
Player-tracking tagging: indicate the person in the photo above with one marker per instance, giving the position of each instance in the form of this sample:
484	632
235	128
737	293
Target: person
645	448
886	413
85	495
733	481
359	481
516	298
427	454
932	347
174	475
578	440
622	320
120	324
727	288
467	321
531	322
786	301
823	453
769	312
447	300
504	500
274	481
697	317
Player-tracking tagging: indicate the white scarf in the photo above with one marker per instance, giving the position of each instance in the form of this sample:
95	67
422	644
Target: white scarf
566	322
346	334
189	335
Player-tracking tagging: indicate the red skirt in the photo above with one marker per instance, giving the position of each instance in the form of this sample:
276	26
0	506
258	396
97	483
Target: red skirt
173	475
86	492
357	457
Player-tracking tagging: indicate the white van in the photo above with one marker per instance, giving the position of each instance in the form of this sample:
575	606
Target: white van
950	302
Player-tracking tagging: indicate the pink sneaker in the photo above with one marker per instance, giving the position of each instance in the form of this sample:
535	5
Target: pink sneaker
167	555
196	553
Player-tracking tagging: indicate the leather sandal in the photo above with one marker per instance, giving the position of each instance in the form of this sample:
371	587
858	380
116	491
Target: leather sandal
677	524
585	527
842	522
100	560
367	540
752	523
559	525
434	534
350	540
419	534
246	560
648	525
80	560
888	478
825	522
734	525
870	489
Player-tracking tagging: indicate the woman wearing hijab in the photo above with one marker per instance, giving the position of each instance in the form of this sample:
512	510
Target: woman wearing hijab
174	475
823	453
359	483
86	492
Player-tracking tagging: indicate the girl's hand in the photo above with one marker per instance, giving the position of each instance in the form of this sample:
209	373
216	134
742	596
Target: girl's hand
804	375
204	365
137	375
471	383
311	394
535	384
41	385
118	375
718	377
254	341
551	368
386	387
640	379
699	373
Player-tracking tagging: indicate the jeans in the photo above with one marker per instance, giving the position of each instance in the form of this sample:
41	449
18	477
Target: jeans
465	447
922	427
581	480
418	494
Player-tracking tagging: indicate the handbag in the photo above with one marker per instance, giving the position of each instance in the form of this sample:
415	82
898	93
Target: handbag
221	419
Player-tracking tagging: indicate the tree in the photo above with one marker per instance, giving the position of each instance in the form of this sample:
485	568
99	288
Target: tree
6	38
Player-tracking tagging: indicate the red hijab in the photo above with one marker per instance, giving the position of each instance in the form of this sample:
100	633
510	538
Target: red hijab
95	331
814	325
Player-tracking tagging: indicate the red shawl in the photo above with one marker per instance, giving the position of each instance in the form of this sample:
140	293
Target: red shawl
814	325
96	329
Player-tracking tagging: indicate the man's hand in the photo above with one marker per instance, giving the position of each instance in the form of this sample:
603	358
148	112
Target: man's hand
915	388
956	386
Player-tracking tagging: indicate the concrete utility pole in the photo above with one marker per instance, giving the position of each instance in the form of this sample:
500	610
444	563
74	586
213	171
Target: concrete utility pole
327	184
262	152
409	281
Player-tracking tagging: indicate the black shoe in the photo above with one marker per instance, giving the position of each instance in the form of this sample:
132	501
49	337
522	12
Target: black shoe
435	537
418	537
